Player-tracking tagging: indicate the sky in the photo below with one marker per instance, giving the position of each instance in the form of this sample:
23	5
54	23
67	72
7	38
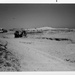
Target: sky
37	15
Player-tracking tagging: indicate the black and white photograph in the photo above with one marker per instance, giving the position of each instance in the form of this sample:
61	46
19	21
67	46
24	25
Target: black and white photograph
37	37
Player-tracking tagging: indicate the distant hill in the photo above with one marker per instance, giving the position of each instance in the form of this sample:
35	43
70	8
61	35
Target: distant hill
42	29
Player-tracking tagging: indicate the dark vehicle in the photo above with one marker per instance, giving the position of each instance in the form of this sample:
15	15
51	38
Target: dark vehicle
16	34
3	30
20	34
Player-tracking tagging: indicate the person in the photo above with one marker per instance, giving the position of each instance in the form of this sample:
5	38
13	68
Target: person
20	34
25	33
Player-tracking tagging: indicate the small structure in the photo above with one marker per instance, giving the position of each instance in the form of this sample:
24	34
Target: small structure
18	34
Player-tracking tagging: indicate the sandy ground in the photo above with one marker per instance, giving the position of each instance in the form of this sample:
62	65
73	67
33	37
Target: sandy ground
42	54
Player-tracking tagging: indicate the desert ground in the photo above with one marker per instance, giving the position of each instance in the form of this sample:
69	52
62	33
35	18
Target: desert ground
46	51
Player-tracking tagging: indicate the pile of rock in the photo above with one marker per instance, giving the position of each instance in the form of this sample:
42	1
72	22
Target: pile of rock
8	62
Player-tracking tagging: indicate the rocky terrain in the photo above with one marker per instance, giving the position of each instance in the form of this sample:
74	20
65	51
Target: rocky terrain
8	61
